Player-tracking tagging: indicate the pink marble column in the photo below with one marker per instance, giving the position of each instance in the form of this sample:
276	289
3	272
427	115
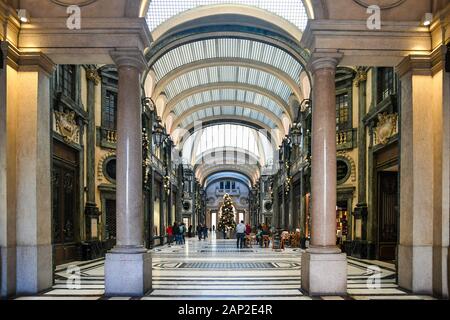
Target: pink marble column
129	153
323	185
324	267
128	266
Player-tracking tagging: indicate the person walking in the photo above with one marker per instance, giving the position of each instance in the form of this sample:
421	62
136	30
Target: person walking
205	231
176	231
182	230
240	234
190	231
169	231
214	228
199	232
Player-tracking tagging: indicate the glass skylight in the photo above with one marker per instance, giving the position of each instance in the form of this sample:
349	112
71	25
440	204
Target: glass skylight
227	48
224	111
228	74
229	137
228	95
291	10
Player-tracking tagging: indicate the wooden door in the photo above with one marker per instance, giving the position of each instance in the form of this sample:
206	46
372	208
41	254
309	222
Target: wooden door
387	215
65	208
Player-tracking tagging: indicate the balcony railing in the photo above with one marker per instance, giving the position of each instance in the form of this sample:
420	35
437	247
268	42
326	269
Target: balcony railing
346	139
108	138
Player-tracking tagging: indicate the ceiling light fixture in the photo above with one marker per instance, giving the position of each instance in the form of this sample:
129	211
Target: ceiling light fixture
427	19
23	15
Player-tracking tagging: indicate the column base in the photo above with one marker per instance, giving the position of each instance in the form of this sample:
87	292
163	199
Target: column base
324	273
415	268
128	274
34	269
7	272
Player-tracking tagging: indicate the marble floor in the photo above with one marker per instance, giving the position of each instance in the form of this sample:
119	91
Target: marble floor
214	269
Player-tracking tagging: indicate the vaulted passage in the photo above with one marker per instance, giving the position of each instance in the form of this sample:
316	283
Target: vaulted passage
213	149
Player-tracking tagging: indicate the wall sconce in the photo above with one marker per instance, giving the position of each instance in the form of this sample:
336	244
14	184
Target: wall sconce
296	134
23	15
158	133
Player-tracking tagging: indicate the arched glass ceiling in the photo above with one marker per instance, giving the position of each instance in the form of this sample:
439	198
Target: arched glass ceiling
227	48
228	74
228	95
229	137
226	111
291	10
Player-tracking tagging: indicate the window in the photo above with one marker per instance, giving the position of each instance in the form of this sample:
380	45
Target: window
68	77
343	121
109	117
386	84
291	10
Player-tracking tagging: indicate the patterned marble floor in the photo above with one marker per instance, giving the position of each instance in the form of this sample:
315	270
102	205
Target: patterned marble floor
216	270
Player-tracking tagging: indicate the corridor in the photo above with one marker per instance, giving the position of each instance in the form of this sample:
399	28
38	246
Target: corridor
215	269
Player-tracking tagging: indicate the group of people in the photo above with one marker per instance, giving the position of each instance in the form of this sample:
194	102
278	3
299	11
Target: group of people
242	230
202	231
177	231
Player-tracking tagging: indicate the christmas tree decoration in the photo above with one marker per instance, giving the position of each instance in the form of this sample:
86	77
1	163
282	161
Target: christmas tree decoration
226	220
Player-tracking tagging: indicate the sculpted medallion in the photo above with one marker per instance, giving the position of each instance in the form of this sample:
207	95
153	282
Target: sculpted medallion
383	4
66	3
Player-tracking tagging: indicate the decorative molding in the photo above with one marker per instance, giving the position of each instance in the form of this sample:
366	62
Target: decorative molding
346	157
383	4
130	58
67	126
361	76
100	175
417	64
92	75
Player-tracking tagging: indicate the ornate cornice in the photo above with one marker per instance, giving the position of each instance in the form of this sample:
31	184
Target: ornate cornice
426	65
26	60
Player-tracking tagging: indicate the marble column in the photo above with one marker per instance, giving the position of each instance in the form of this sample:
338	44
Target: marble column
91	209
361	206
324	267
128	265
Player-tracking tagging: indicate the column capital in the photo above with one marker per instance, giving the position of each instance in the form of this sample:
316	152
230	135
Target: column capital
324	61
92	75
129	57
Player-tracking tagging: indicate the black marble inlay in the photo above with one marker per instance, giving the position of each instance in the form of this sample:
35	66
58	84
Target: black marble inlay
230	265
226	250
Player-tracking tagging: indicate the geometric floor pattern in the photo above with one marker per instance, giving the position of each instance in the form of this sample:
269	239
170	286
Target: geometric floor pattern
215	270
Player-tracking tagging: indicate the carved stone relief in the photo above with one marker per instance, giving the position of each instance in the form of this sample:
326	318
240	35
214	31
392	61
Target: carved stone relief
67	126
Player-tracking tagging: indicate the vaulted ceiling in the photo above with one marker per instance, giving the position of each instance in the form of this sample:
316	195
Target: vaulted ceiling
241	75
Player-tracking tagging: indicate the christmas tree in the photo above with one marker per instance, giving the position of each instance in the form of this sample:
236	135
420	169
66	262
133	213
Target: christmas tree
226	220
